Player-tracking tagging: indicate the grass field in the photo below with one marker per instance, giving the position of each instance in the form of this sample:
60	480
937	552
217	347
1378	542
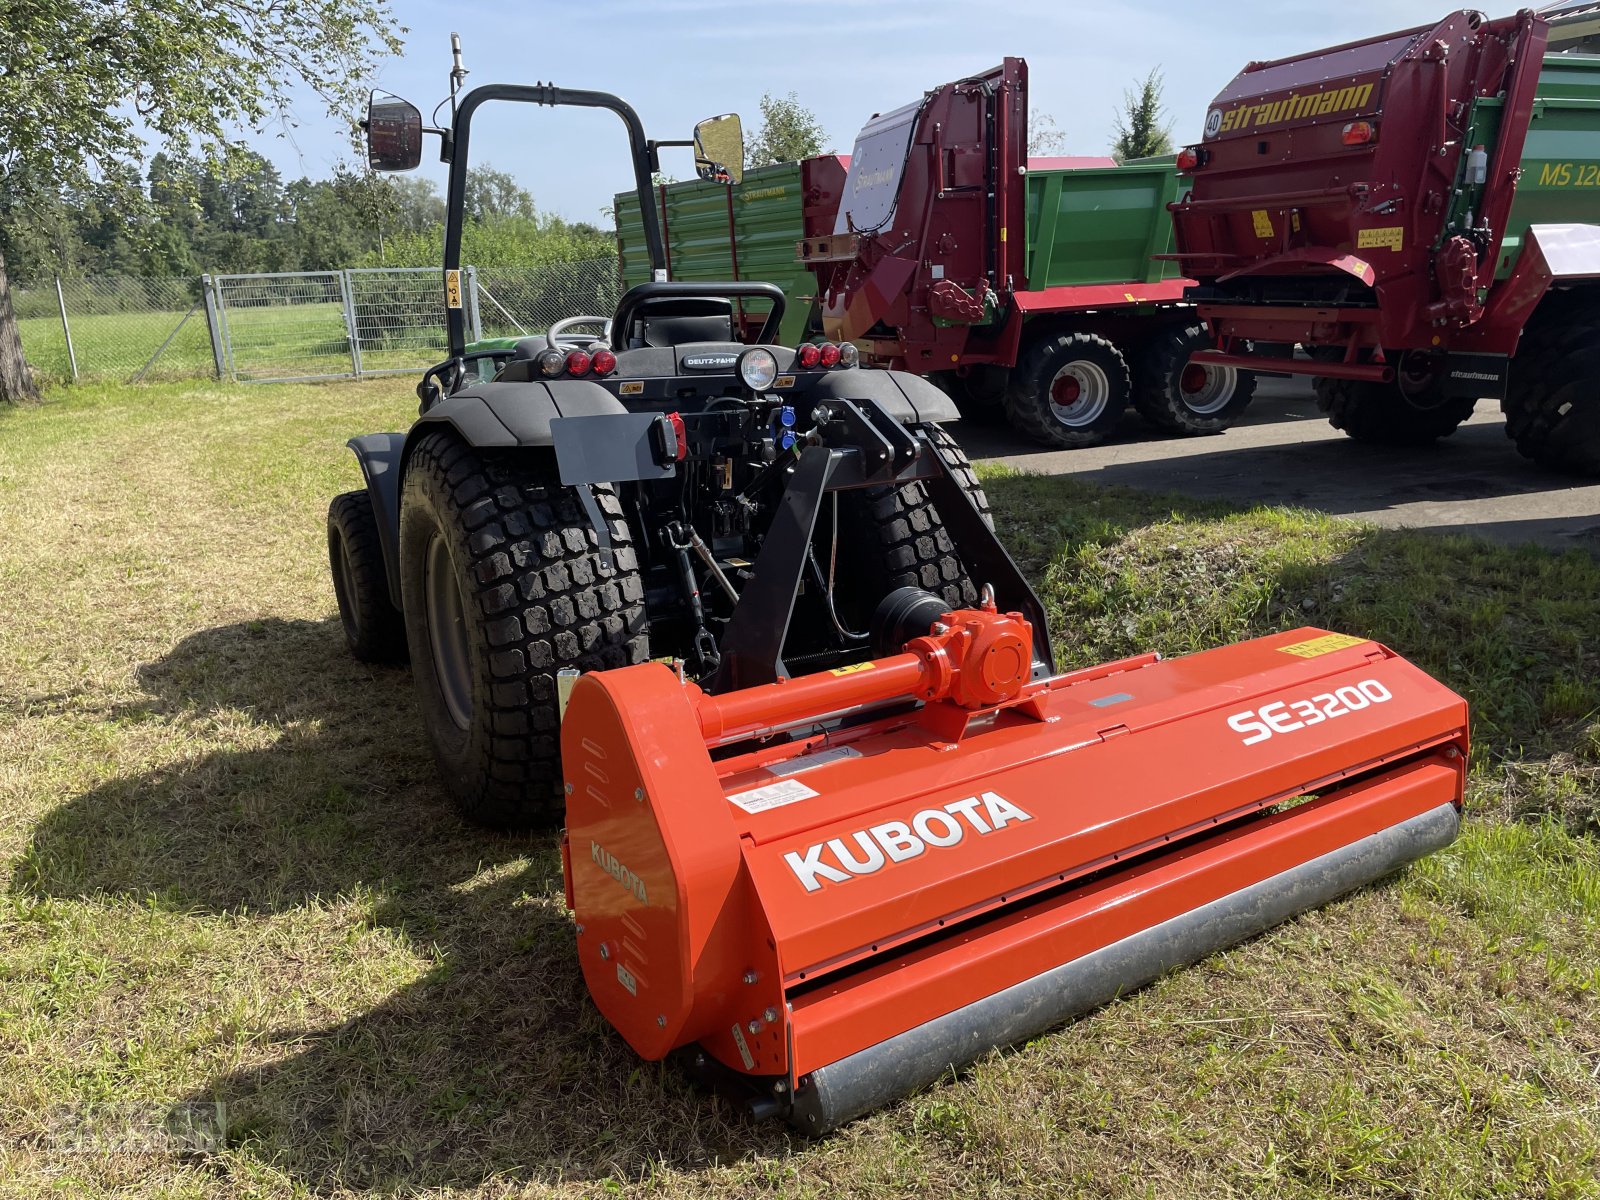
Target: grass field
229	875
267	342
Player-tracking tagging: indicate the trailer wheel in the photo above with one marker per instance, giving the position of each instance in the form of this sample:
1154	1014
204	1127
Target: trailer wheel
503	585
1069	390
373	627
1411	411
909	546
1552	405
1183	397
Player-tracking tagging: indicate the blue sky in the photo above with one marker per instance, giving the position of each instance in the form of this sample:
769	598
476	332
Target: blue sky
676	61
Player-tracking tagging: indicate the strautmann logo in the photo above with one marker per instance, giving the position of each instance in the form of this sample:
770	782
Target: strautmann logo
1293	107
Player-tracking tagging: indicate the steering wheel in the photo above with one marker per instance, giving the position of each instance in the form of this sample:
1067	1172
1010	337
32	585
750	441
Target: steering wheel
556	341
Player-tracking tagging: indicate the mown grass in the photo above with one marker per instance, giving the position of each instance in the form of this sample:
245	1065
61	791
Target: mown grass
230	875
266	341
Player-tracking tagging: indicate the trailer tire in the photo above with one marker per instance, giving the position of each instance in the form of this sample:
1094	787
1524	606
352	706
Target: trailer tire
1179	397
1069	390
911	547
373	627
1552	405
503	585
1383	414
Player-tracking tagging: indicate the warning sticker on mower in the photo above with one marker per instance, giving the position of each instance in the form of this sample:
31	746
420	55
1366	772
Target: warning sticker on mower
1262	222
1392	237
1326	644
773	795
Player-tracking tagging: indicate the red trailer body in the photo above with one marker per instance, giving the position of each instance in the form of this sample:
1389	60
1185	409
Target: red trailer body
923	259
1358	201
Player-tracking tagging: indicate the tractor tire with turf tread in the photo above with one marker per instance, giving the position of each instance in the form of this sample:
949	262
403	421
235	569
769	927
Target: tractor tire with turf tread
1378	414
534	600
909	545
1160	398
1029	397
1552	406
374	629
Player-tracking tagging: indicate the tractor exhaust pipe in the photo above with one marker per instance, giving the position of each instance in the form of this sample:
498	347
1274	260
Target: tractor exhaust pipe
843	1090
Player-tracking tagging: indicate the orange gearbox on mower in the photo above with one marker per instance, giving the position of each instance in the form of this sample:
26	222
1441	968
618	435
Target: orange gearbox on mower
841	885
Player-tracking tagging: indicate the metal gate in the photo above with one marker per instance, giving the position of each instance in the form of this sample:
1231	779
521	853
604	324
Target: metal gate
286	325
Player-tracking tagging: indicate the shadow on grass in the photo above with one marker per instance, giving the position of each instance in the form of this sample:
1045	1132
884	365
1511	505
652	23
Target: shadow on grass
492	1064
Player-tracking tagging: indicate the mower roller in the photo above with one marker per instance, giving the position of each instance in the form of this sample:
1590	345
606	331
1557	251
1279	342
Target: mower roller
833	823
840	911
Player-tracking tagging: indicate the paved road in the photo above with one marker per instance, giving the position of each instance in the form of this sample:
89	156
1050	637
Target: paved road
1284	451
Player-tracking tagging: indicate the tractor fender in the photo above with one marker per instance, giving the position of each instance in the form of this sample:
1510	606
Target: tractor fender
516	414
907	398
380	456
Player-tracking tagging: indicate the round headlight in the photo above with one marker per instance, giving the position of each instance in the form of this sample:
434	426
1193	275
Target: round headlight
758	368
849	356
550	362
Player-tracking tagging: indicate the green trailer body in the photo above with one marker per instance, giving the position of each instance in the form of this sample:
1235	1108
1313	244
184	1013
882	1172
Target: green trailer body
1560	182
718	231
1098	225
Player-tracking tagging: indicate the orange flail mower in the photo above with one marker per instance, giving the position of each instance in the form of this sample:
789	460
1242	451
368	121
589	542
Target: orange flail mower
841	885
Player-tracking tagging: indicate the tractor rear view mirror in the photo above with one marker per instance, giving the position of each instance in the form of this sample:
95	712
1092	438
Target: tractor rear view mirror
394	133
719	148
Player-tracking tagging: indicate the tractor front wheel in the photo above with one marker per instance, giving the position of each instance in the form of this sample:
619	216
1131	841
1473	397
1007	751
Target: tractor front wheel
373	627
1182	397
1069	390
504	586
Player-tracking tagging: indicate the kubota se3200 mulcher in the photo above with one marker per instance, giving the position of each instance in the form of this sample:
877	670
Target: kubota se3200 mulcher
838	832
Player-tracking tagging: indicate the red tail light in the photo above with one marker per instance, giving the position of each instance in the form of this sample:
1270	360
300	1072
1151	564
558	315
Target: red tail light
828	354
1188	159
807	356
1358	133
578	362
604	362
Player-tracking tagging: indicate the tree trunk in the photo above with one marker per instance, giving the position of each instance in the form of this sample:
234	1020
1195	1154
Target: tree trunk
16	377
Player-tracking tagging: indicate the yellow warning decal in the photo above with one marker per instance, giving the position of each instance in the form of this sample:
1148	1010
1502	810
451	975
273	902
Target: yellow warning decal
452	289
1391	237
1326	644
1262	222
632	387
852	669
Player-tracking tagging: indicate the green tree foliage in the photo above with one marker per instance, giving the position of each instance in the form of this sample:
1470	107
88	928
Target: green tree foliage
1140	130
81	82
789	131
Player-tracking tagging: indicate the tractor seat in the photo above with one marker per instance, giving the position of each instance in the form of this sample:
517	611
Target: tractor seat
672	322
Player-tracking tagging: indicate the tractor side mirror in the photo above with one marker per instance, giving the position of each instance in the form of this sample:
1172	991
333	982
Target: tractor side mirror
394	133
719	148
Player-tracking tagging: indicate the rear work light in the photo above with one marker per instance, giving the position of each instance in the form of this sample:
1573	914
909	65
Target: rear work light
849	356
807	355
604	362
550	362
1188	158
578	362
1358	133
828	354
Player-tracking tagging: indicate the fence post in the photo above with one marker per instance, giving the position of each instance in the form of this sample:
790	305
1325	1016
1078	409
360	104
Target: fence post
350	322
473	315
213	325
66	328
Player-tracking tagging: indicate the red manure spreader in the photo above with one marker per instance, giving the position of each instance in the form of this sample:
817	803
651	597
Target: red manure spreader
1421	213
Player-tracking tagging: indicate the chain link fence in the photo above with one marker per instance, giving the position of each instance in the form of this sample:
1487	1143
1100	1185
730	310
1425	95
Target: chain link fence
297	325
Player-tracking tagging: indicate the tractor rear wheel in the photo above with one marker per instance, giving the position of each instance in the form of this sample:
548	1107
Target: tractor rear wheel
909	545
1069	390
503	584
1552	405
1411	411
373	626
1187	398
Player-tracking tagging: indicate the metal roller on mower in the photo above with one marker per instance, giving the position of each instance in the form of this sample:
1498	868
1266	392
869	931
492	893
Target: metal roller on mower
840	911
